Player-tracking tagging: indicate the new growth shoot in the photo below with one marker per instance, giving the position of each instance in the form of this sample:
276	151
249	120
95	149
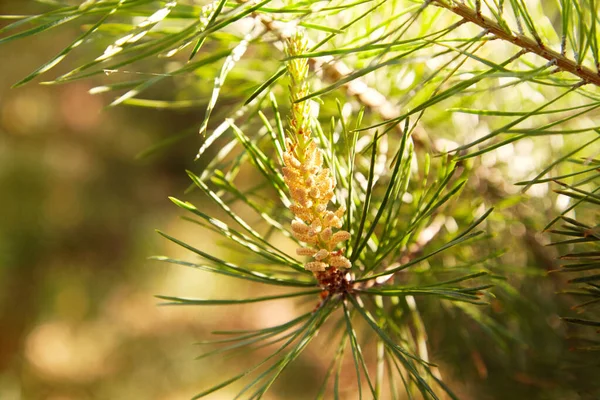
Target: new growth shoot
311	185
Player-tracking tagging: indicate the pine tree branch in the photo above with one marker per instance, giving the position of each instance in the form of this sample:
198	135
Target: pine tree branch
333	70
522	41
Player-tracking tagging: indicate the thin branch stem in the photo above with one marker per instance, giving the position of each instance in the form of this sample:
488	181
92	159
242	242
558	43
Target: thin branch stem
522	41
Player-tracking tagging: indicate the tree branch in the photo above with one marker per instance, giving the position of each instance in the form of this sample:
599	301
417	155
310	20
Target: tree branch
333	70
522	41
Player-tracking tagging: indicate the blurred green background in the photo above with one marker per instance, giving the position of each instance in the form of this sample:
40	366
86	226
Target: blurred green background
77	220
78	210
78	213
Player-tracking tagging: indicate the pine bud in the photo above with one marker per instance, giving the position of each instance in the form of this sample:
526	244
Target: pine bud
321	254
316	266
339	262
339	236
326	234
300	227
305	251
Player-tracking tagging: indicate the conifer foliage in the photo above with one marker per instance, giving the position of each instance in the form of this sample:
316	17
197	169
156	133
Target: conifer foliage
382	134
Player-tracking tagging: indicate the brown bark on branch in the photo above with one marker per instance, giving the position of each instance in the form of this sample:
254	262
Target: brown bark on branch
532	46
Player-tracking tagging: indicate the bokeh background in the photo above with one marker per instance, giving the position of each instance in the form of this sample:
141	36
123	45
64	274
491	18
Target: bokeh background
77	316
79	202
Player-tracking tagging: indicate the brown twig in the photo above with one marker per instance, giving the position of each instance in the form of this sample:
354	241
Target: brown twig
522	41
